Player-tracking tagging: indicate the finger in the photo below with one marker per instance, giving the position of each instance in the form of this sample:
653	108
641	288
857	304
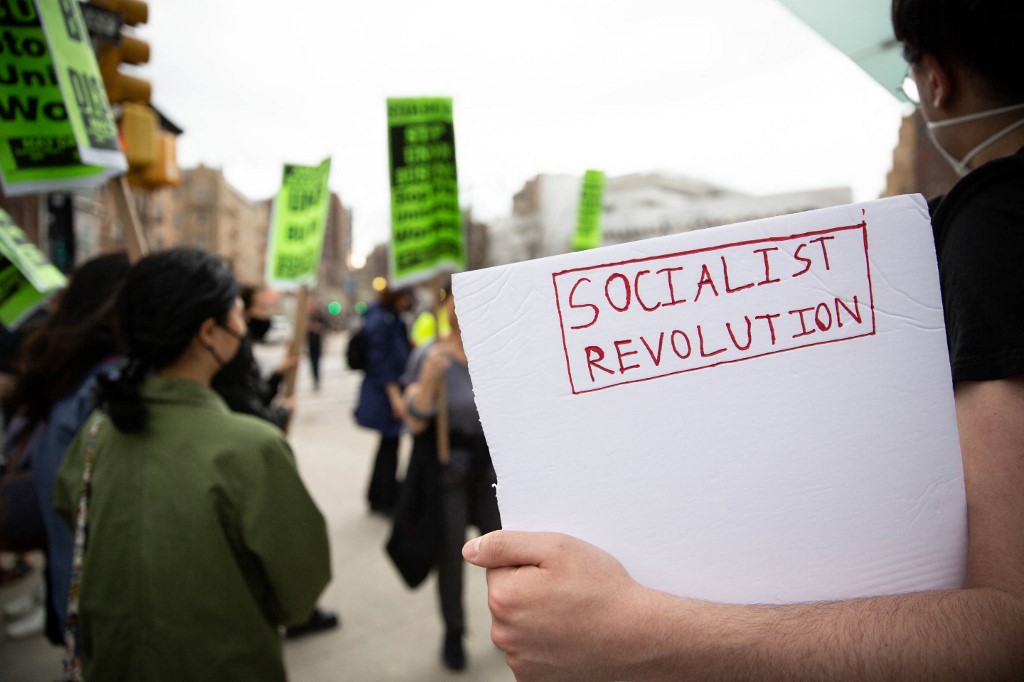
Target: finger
512	548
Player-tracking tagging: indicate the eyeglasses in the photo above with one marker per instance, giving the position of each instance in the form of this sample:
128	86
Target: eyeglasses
908	88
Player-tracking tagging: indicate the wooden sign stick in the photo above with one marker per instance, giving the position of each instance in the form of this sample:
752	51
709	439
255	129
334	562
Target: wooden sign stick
297	344
443	437
131	228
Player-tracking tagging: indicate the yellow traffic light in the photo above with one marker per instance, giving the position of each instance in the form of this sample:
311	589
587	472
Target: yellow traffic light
123	87
139	129
147	138
164	171
132	12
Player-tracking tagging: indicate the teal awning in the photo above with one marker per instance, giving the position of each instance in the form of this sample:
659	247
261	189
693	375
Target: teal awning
860	29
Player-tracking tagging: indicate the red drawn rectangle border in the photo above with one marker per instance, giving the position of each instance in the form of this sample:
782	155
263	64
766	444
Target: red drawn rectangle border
862	226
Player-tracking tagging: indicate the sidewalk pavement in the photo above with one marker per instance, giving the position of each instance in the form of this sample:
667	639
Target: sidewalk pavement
388	632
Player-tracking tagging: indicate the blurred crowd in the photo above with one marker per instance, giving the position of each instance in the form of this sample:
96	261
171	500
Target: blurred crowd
147	468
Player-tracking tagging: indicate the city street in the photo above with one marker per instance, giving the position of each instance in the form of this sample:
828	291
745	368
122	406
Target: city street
388	632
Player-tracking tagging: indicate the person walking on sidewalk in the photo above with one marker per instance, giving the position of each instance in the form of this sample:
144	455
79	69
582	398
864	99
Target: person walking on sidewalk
316	328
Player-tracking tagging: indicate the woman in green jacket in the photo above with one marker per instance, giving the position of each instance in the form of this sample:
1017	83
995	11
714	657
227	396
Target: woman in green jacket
201	538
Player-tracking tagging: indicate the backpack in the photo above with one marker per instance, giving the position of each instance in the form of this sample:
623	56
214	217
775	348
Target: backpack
358	350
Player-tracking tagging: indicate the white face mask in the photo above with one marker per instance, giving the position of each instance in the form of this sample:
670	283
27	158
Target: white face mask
960	165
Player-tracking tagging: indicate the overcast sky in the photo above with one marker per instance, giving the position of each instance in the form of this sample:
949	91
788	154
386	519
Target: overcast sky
737	92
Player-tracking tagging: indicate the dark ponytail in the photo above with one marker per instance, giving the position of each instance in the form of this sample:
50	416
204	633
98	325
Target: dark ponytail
165	299
119	397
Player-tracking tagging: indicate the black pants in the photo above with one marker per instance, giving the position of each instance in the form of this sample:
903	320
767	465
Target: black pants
314	346
467	497
382	493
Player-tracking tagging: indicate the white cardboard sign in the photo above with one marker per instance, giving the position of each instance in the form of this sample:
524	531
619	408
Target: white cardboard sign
756	413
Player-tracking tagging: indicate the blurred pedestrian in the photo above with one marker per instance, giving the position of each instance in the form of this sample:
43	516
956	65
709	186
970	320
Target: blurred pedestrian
380	405
11	341
466	479
15	564
60	365
426	328
241	383
201	537
316	328
257	311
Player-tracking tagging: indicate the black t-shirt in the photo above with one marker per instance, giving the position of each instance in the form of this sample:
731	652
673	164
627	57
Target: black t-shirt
979	240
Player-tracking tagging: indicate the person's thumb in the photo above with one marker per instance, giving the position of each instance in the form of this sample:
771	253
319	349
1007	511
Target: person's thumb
508	548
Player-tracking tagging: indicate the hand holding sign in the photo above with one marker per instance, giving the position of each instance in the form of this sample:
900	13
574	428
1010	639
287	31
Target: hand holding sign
571	593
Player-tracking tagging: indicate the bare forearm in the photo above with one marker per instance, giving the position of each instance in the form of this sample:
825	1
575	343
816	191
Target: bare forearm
419	408
976	633
394	391
952	635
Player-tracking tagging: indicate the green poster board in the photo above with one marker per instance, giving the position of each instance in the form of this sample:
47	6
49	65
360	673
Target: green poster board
297	224
588	222
426	223
57	132
26	278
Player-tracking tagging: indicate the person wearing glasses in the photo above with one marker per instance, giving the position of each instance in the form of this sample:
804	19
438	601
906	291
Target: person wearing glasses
564	609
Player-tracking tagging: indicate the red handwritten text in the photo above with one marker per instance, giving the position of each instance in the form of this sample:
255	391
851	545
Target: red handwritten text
652	317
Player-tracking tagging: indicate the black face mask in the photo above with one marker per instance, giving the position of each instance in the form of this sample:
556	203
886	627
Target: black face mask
241	340
258	328
234	372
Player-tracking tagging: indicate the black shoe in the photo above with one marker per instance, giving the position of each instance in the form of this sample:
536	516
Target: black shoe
452	654
320	620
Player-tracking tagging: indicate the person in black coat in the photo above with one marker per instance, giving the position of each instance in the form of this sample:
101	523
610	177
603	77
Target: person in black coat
241	384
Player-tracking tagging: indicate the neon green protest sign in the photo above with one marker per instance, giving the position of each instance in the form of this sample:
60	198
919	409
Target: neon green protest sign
56	128
426	223
297	224
588	221
27	279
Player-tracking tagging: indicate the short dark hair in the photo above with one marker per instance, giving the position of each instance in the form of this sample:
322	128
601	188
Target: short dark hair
389	297
982	35
248	294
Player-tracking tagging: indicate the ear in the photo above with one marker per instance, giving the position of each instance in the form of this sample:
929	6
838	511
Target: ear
206	331
938	80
